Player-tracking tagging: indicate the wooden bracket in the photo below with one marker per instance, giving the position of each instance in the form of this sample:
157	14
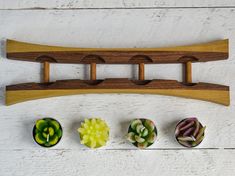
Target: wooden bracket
141	71
188	72
186	55
93	71
46	69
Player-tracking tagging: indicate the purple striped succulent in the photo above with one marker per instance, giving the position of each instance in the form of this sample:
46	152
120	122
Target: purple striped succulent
142	133
189	132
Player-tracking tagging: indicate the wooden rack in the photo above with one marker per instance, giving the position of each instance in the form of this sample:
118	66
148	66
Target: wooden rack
186	55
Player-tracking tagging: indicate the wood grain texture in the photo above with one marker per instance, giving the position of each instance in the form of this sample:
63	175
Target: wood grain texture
188	72
93	71
141	71
46	72
217	50
215	96
117	28
201	91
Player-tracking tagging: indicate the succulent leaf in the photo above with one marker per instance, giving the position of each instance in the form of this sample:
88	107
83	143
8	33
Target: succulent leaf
201	132
135	122
94	132
59	133
151	138
149	125
131	137
41	124
139	139
197	126
44	135
188	138
139	128
188	131
40	139
198	141
51	131
54	124
145	132
142	145
53	140
187	126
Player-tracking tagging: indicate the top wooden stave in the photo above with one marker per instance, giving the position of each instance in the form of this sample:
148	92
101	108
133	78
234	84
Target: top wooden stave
217	50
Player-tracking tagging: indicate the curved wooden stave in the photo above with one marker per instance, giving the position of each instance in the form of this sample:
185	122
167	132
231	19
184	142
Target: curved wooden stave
201	91
212	51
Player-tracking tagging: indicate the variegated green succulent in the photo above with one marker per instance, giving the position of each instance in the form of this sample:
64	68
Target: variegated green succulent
142	133
189	132
47	132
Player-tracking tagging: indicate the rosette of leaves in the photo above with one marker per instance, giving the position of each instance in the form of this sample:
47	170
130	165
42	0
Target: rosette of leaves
94	133
142	133
190	132
47	132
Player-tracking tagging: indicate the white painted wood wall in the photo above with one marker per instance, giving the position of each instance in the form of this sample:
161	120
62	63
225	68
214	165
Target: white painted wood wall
113	23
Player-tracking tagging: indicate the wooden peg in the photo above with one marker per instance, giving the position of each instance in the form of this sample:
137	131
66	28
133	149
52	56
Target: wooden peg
46	69
188	72
141	71
93	71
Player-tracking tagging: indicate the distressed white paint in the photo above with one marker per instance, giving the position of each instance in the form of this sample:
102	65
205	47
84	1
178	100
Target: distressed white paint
19	155
118	162
67	4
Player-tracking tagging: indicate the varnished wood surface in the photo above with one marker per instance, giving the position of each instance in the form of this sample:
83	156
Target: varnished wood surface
93	71
141	71
212	51
46	72
188	72
202	91
118	83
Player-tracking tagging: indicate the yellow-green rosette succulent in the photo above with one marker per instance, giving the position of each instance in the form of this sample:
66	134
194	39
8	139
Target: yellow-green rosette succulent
47	132
94	133
142	133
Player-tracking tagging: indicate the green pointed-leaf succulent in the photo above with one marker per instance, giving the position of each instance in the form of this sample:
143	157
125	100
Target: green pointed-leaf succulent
142	133
47	132
189	132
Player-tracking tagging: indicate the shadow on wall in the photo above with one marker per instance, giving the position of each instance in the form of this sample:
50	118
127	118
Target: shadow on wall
124	125
2	97
28	132
2	48
169	131
2	55
75	124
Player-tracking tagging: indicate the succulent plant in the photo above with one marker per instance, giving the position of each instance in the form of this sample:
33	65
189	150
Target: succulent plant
142	133
94	133
190	132
47	132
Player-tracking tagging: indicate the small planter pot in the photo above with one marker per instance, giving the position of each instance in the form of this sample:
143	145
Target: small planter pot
94	133
47	132
142	133
189	132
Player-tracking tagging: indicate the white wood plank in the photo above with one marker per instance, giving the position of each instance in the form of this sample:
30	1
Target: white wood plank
67	4
117	28
117	163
